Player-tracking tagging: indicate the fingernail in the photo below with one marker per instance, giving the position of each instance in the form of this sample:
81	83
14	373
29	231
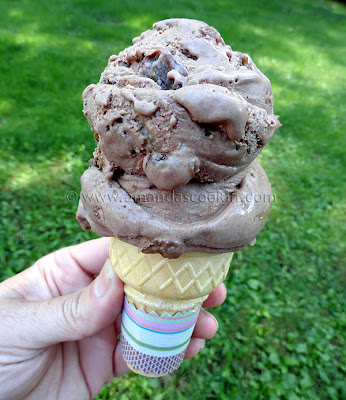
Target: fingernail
202	343
109	271
217	324
103	282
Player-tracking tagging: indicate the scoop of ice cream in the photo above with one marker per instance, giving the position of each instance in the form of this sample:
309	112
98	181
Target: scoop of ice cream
197	217
178	86
178	111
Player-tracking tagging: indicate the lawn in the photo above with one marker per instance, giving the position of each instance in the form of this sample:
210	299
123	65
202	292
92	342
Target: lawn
282	325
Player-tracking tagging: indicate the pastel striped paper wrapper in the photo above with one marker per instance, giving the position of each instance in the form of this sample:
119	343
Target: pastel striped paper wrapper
154	335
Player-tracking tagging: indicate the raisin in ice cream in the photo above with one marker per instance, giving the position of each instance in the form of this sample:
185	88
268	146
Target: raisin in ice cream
179	118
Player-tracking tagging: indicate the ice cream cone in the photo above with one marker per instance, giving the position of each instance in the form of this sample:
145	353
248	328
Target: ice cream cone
162	303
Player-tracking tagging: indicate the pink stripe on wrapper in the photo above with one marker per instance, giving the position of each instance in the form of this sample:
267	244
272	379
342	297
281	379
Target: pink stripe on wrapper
160	326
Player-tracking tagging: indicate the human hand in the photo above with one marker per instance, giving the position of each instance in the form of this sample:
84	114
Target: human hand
59	326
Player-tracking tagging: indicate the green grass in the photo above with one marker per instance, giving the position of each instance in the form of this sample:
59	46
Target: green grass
281	327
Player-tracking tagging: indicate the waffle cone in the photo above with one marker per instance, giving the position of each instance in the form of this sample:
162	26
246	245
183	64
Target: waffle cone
168	288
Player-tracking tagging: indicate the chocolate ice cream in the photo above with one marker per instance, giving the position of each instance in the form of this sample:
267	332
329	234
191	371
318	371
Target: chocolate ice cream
179	118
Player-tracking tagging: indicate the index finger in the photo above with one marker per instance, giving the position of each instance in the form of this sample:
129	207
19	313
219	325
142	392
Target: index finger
72	268
91	255
62	272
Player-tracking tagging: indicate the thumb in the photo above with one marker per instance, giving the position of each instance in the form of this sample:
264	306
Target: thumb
71	317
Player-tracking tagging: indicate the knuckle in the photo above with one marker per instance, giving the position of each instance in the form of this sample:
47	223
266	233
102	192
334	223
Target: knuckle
74	317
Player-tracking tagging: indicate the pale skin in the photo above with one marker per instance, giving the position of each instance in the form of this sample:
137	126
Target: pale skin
59	326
